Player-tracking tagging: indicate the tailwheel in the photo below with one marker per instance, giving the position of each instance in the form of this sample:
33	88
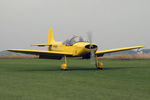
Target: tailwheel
64	65
99	65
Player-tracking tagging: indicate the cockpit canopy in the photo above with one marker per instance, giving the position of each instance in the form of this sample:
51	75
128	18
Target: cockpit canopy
74	39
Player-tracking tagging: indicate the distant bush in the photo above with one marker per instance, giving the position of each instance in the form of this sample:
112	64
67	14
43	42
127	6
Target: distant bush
18	57
127	56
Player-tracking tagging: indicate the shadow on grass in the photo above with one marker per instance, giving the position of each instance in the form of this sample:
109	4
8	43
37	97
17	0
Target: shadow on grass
118	68
77	69
56	69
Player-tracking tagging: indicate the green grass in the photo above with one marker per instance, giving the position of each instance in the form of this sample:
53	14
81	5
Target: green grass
39	79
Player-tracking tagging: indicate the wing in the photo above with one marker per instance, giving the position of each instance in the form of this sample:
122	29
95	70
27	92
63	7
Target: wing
40	52
101	53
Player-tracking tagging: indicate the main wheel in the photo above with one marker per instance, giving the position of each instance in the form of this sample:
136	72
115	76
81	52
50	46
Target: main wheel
99	65
64	67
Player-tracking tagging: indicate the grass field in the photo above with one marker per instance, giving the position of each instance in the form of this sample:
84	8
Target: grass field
39	79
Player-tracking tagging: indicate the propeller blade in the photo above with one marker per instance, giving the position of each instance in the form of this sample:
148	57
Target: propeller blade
92	53
92	57
89	34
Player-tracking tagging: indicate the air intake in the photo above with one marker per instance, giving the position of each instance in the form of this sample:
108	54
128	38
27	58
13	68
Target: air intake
91	46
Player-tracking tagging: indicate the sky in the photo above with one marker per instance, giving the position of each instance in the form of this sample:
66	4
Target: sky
113	23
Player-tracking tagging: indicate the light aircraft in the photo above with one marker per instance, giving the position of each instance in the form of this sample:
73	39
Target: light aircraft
74	47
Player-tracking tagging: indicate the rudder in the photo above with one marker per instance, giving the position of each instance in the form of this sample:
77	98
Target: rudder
51	39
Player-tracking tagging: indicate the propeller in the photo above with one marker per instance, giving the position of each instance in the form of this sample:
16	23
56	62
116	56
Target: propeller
92	53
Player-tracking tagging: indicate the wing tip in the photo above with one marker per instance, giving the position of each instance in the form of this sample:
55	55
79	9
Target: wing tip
141	46
9	49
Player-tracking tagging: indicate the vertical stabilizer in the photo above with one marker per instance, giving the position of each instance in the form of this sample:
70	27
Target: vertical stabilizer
51	39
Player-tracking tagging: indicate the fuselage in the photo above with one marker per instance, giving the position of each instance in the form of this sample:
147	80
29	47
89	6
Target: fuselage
77	49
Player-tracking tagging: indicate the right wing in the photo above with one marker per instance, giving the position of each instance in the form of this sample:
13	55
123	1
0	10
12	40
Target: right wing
40	52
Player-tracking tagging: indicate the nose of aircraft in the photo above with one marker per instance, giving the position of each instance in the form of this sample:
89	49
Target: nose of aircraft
93	46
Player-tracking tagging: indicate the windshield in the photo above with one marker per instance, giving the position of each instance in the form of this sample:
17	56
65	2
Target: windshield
73	40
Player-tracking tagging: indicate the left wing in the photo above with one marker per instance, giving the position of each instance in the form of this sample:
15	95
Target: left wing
101	53
40	52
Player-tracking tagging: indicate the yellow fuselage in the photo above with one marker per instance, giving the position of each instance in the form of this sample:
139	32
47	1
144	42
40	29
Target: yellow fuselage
77	49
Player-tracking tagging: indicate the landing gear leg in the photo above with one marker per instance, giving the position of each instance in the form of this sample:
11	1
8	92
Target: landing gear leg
99	65
64	65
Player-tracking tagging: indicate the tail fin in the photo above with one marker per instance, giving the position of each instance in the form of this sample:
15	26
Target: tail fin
50	37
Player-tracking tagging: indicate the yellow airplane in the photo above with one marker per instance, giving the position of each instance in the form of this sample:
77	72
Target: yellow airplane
74	47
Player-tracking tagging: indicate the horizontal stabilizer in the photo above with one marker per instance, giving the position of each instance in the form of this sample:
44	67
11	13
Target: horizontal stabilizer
40	45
